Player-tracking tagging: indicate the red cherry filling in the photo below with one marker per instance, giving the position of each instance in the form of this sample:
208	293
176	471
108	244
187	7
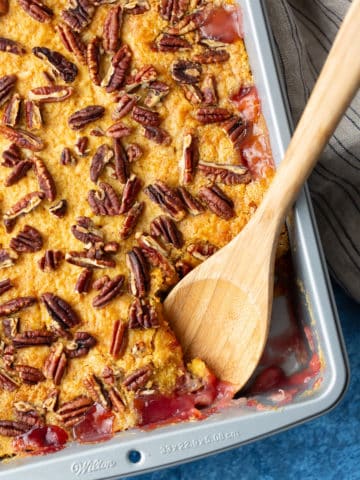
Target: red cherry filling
247	102
41	440
157	408
267	380
222	24
97	425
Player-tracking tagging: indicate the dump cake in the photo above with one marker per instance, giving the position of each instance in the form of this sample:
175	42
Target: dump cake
133	147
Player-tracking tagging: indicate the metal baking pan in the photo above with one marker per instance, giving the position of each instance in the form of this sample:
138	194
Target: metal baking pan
238	423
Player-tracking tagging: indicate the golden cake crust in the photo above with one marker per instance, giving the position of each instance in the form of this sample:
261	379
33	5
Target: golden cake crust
155	346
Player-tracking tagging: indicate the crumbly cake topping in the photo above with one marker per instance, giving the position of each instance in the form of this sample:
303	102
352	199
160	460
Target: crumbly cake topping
133	148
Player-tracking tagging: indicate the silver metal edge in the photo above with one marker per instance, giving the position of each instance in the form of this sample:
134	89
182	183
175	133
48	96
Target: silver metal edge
180	443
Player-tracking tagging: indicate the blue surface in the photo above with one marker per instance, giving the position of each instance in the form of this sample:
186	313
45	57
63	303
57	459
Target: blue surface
324	449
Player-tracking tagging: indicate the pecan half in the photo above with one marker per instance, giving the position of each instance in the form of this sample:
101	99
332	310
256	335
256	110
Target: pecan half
97	390
208	89
4	7
138	379
192	204
7	84
55	364
124	106
185	25
157	256
226	174
202	250
22	138
44	178
83	342
173	10
66	69
118	339
134	152
26	241
33	116
18	172
67	158
90	259
15	305
73	411
165	228
183	268
29	375
79	14
50	93
28	413
141	78
139	272
189	159
170	43
157	91
83	283
81	146
8	356
238	131
193	94
11	428
136	7
131	220
186	71
157	135
102	157
72	42
11	326
97	132
11	46
51	400
83	117
7	259
212	55
59	209
112	289
100	282
167	198
60	311
104	201
93	52
209	115
121	162
7	382
116	400
111	29
130	192
119	66
86	231
145	116
11	156
217	202
24	205
51	260
12	111
37	10
118	130
33	338
5	285
142	314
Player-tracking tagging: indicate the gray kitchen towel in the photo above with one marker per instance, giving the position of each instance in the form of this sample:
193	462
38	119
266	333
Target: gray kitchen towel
304	31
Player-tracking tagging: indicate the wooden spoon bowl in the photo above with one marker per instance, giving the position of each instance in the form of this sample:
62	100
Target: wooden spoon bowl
221	310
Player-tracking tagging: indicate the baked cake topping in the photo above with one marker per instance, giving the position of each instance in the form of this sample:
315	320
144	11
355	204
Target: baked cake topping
133	148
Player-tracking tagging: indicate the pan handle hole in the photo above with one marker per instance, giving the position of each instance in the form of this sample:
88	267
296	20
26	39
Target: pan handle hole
134	456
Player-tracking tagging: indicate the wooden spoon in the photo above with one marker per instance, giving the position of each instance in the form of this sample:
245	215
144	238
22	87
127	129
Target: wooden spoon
221	310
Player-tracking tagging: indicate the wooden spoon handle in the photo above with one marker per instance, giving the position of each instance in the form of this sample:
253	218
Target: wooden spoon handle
332	94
